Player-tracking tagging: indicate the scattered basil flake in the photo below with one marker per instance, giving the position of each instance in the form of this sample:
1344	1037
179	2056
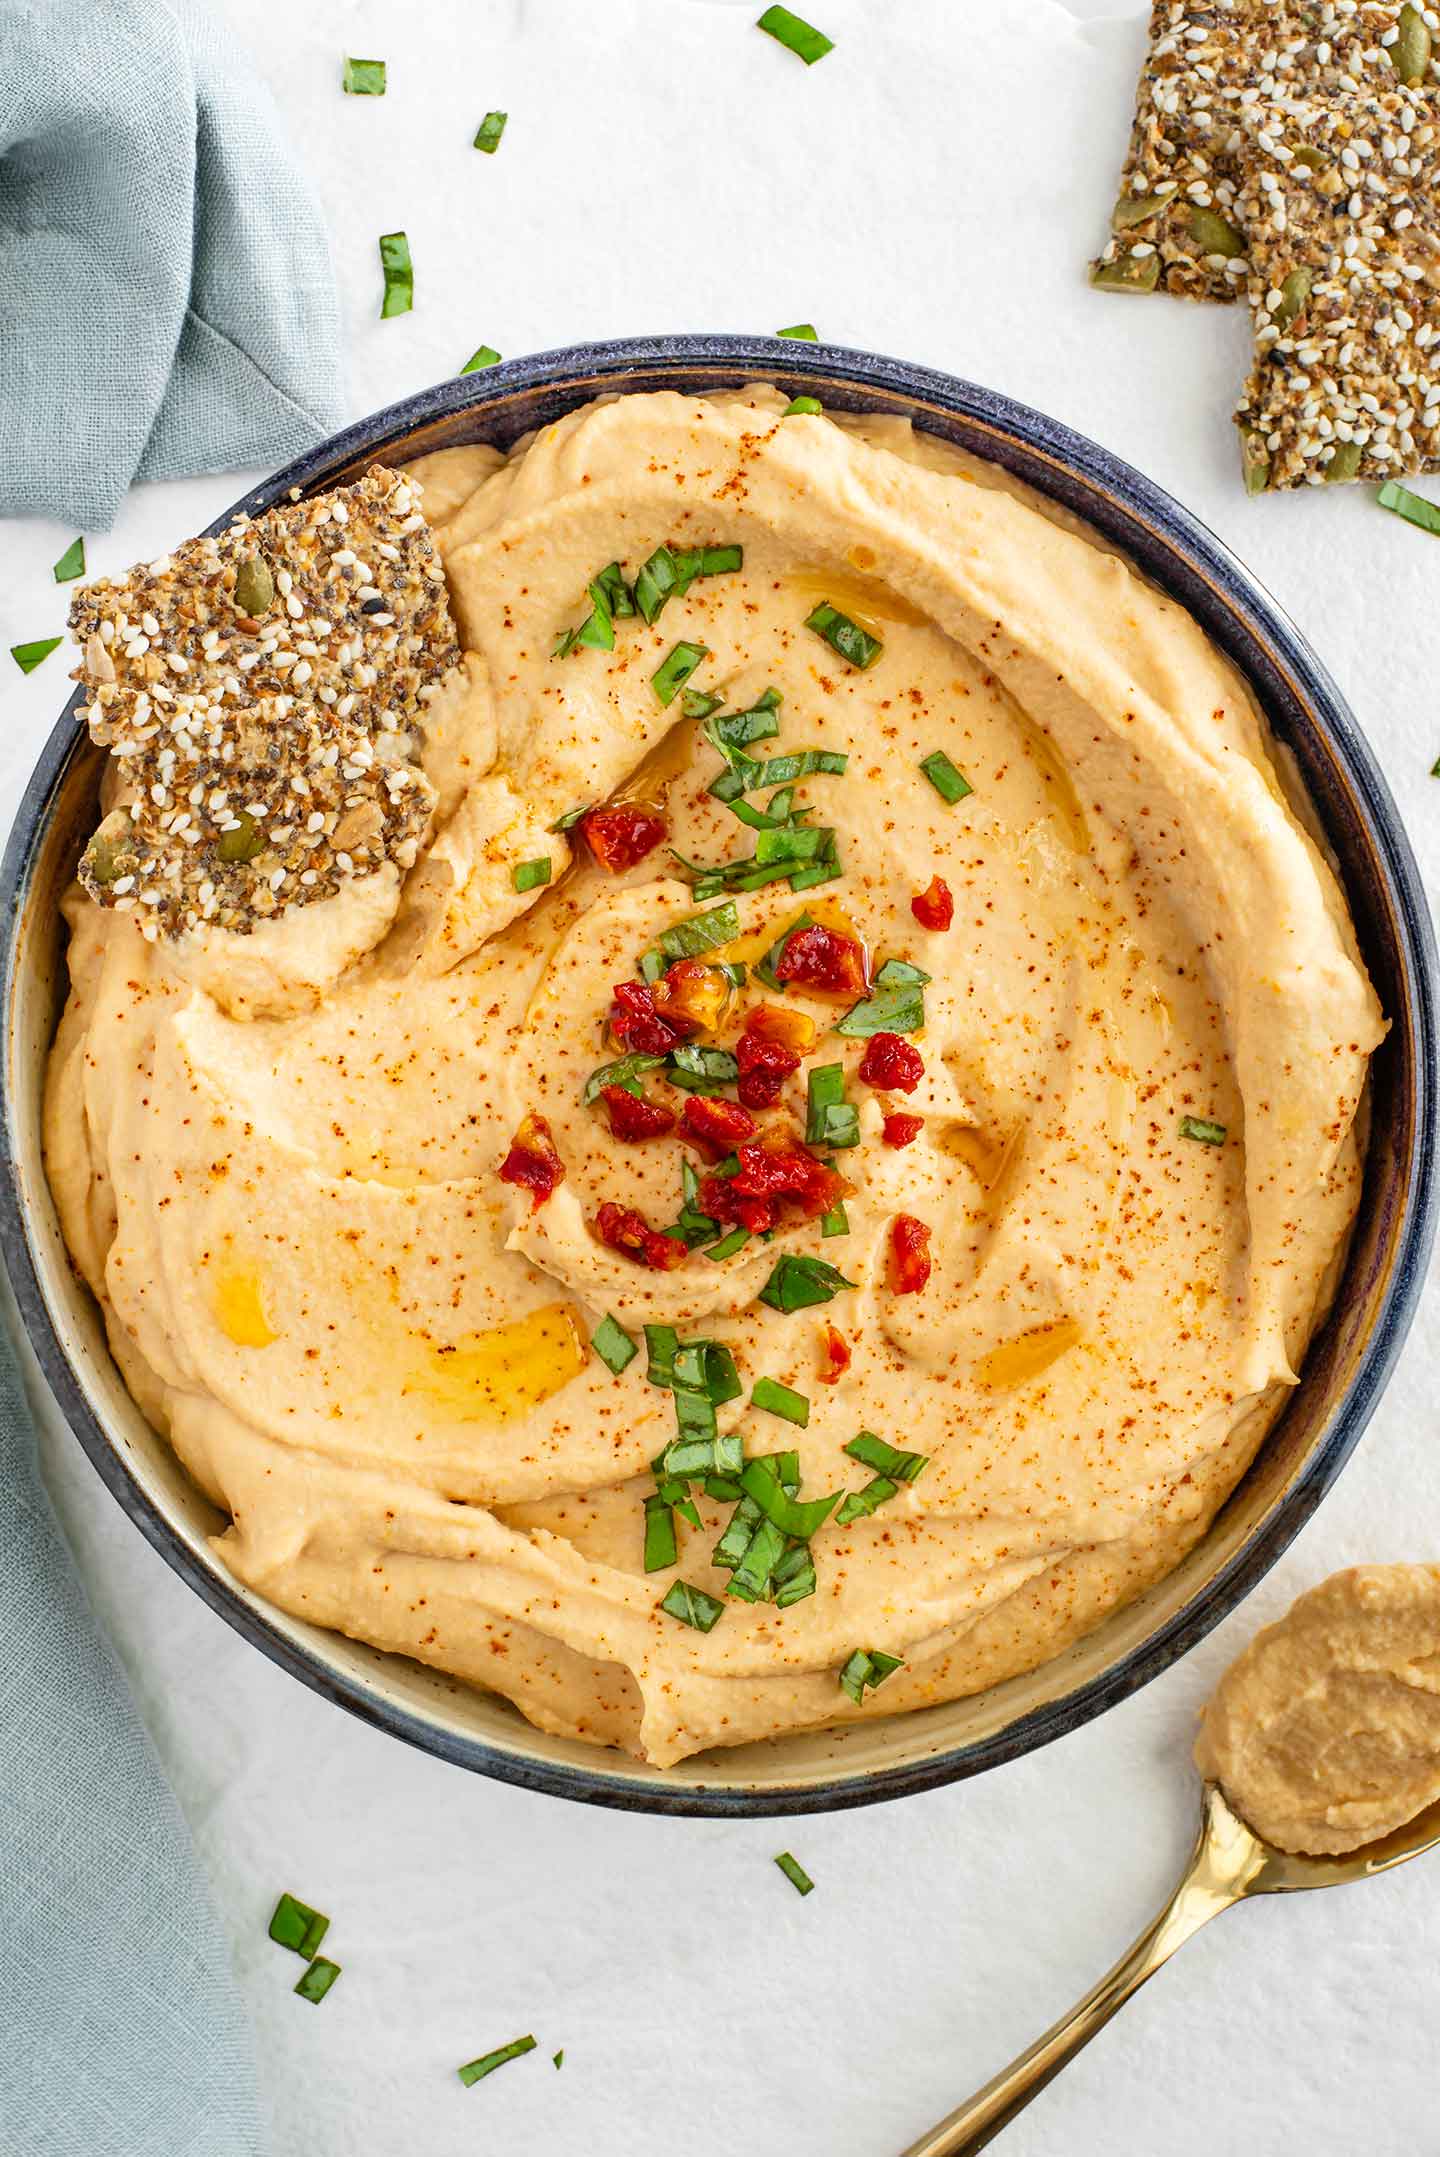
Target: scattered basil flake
527	875
790	1515
661	1549
482	356
692	1606
476	2070
949	782
1201	1128
399	275
699	703
613	1345
836	1222
794	1577
803	406
896	1010
778	1400
71	563
855	645
899	973
709	1367
856	1504
570	819
364	78
801	332
702	1070
295	1925
1414	508
797	1282
728	1245
830	1120
661	1343
873	1452
795	1873
316	1981
27	657
622	1072
676	668
697	933
765	967
491	128
865	1669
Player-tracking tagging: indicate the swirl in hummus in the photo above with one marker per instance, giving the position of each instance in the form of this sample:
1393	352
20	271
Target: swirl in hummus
1325	1732
353	1224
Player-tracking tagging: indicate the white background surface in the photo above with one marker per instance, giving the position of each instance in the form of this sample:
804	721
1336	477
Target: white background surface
932	189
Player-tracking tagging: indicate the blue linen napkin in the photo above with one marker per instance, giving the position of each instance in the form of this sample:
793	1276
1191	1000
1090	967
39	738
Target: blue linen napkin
123	2030
167	303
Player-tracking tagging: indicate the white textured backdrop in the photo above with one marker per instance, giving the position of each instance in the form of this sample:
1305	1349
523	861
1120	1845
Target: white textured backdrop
932	189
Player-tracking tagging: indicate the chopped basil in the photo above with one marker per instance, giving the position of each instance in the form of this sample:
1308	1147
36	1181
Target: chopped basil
865	1669
899	973
692	1226
802	332
780	1400
836	1222
71	563
399	275
702	1070
613	1345
802	406
623	1072
364	78
618	594
699	932
856	1504
482	356
873	1452
790	1515
676	668
797	1282
794	1577
728	1245
527	875
752	1579
949	782
795	1873
661	1343
1201	1128
699	703
661	1549
316	1981
692	1606
854	644
799	764
765	967
476	2070
295	1925
797	36
570	819
709	1368
491	128
736	730
893	1010
1414	508
597	632
670	572
830	1120
27	657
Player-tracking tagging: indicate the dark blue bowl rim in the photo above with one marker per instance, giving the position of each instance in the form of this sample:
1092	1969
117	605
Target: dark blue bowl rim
1140	501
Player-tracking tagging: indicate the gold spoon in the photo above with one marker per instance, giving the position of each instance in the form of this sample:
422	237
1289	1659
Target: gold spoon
1228	1863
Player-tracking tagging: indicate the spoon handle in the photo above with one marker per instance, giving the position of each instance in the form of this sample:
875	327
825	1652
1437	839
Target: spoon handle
1199	1897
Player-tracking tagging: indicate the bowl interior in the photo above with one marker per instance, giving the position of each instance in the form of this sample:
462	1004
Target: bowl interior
1348	1360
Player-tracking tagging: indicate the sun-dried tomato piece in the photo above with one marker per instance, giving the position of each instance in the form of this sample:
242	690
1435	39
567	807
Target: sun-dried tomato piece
692	995
634	1116
719	1198
891	1064
636	1024
834	1356
910	1259
774	1022
934	907
625	1230
824	962
533	1162
717	1122
774	1179
764	1068
901	1130
623	834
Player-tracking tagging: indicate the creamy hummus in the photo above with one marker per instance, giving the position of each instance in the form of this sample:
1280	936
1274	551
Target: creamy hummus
373	1352
1325	1733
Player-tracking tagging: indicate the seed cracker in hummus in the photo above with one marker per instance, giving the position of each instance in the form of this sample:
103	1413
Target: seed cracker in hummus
813	1187
1325	1733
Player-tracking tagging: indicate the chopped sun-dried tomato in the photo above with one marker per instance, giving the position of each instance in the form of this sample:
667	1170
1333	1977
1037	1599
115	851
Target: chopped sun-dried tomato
623	834
532	1161
635	1023
909	1255
716	1122
834	1356
775	1177
934	907
692	995
772	1022
824	962
623	1229
764	1068
901	1130
891	1064
634	1116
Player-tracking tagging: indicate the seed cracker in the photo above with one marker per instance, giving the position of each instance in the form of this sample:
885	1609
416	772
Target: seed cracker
264	758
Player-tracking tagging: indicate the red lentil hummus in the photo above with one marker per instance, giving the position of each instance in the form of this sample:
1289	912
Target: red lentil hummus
807	1189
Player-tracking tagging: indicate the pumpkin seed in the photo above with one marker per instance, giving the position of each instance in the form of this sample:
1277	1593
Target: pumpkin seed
254	587
1132	210
1254	460
1127	273
1214	234
243	844
1294	294
111	851
1346	461
1410	53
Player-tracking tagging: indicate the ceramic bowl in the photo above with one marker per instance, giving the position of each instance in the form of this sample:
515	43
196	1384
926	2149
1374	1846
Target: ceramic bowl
1348	1362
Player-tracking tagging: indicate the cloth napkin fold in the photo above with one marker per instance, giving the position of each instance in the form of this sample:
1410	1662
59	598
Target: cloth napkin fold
124	2034
167	304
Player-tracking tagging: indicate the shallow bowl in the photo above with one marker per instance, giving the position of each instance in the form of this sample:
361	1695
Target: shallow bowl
1348	1362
